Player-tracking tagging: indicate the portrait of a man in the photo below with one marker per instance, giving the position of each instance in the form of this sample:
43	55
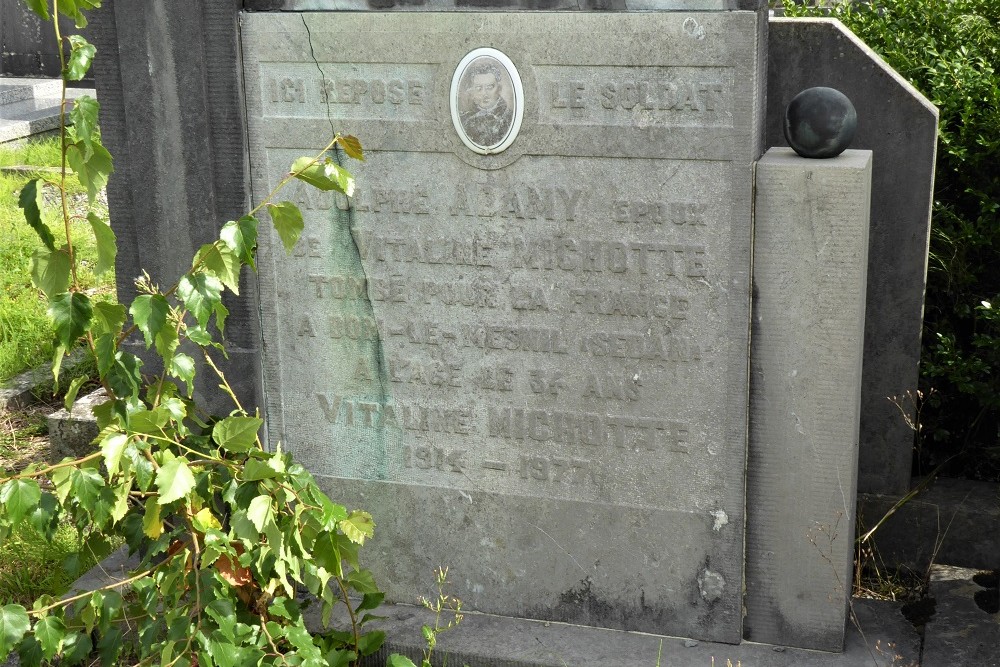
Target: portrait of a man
485	101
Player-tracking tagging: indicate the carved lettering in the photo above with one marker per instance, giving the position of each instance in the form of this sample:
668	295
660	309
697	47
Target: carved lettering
691	214
371	91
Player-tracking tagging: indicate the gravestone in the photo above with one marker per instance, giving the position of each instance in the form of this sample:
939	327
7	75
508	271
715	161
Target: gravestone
522	343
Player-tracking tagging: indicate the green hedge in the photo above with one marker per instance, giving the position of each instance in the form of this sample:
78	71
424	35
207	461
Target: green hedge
950	51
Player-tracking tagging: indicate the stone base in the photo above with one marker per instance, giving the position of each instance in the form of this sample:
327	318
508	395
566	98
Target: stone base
965	628
885	638
71	433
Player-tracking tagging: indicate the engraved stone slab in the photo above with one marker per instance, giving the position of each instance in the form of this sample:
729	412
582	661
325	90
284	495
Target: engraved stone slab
531	366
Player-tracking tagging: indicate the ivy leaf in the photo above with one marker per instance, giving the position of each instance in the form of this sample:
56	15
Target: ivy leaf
202	295
237	434
50	271
50	632
30	200
107	247
260	512
357	526
94	169
352	147
112	447
288	223
326	176
182	368
174	479
14	624
152	526
80	56
20	497
240	236
71	312
219	260
108	318
149	311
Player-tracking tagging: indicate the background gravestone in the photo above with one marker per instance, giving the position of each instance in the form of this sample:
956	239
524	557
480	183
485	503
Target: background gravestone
899	125
530	366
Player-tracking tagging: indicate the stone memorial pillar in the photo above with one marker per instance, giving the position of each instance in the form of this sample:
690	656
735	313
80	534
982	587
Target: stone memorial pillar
810	265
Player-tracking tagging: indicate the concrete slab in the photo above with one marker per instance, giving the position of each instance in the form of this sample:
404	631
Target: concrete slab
23	389
31	116
951	521
18	89
965	628
881	638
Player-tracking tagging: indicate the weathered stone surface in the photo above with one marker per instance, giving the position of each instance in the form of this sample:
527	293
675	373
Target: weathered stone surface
530	366
810	247
899	126
172	117
72	432
965	627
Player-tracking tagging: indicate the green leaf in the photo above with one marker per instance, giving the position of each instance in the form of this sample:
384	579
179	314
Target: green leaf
40	7
352	147
50	271
14	624
288	223
255	470
371	642
71	313
363	582
358	526
219	260
112	447
260	512
93	170
84	117
240	236
327	175
73	390
85	485
149	312
50	632
152	526
76	646
80	56
174	479
202	295
370	601
397	660
237	434
124	375
30	200
107	247
20	497
182	368
108	318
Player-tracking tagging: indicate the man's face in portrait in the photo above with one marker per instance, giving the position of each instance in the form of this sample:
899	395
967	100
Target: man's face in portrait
485	90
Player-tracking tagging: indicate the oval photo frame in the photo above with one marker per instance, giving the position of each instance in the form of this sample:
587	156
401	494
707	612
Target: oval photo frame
487	101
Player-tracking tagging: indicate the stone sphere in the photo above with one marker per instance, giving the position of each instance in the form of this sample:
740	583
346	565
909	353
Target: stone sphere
820	123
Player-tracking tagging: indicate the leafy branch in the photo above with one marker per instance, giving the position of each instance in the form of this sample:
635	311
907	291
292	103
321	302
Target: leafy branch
228	531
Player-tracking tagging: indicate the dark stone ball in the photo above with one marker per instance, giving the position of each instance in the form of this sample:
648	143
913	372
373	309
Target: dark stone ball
820	123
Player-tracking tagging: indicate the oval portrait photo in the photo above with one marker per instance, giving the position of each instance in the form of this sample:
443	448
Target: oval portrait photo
487	101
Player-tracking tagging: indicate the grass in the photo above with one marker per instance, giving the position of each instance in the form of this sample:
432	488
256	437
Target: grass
31	566
25	332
